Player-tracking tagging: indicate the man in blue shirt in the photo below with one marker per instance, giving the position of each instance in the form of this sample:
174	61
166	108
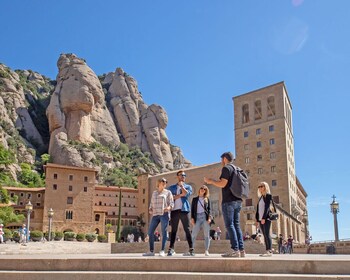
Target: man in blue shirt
181	192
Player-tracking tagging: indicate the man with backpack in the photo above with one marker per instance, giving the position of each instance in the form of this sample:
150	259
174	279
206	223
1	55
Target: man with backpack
231	204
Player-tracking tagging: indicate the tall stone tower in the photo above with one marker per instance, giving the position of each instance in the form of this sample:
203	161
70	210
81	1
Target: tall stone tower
264	145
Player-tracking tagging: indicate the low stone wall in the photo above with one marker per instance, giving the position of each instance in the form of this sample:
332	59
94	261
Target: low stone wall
216	247
339	247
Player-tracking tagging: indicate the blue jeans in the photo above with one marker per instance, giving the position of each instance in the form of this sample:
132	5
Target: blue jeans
164	221
231	211
201	222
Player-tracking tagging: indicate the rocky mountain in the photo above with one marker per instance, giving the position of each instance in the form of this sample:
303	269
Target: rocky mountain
82	120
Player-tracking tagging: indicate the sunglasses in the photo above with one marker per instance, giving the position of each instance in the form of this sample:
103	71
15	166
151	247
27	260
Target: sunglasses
260	187
182	175
164	181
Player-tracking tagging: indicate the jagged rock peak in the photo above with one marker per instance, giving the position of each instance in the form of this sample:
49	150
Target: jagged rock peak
77	111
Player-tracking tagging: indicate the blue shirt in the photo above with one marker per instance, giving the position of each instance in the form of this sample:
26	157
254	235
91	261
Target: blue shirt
185	203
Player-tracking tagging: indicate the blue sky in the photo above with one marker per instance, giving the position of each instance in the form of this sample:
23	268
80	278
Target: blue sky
193	56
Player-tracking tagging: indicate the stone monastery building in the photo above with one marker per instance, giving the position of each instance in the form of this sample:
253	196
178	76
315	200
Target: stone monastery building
264	146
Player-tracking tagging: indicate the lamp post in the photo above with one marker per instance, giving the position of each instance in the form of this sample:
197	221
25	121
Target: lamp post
29	208
306	223
50	213
335	211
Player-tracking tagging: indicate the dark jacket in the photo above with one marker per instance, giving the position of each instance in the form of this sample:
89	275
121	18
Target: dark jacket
267	199
194	208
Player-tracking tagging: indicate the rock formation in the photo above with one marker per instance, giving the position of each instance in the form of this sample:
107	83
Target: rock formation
78	112
140	125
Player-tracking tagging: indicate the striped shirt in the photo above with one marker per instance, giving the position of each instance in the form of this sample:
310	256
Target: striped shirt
160	201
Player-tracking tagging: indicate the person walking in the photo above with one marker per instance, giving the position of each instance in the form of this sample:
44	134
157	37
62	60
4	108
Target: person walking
262	214
162	202
231	207
201	217
181	192
290	244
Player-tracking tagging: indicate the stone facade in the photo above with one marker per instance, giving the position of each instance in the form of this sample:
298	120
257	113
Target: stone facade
264	145
79	204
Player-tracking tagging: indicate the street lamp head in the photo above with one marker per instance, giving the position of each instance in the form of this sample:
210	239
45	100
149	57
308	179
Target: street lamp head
50	213
334	206
29	206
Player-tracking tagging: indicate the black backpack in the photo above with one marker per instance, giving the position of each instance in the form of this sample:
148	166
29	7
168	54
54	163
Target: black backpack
239	181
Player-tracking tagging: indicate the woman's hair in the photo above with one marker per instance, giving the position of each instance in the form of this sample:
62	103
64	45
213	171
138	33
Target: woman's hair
161	180
206	192
267	188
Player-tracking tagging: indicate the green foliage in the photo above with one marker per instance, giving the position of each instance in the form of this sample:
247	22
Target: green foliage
102	238
4	74
4	197
80	237
7	215
29	177
6	156
58	235
69	235
91	237
36	234
7	233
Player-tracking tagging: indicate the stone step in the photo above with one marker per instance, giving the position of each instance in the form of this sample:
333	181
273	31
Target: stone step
145	275
277	264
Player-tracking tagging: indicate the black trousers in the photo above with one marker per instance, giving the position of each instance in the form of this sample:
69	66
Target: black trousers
265	228
176	216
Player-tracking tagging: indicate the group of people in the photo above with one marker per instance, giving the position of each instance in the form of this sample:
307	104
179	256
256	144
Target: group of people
170	205
285	246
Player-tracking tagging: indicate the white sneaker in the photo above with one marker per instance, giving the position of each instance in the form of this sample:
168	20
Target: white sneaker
162	253
206	253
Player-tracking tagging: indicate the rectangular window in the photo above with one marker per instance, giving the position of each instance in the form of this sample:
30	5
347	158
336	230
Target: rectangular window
12	194
70	177
248	202
29	195
246	160
69	215
38	204
55	176
259	158
272	141
274	183
258	144
85	179
272	155
246	147
273	168
258	131
260	170
70	188
271	128
245	134
69	200
249	216
276	199
38	195
54	187
85	189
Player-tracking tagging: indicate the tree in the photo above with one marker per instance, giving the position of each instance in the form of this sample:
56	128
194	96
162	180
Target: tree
8	216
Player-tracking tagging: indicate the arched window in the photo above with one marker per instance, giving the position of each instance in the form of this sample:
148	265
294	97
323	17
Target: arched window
257	110
271	110
245	113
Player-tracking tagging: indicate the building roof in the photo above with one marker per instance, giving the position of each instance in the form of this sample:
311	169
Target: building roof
69	167
24	189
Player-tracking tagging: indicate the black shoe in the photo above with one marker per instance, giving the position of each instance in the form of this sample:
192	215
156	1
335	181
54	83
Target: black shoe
171	252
